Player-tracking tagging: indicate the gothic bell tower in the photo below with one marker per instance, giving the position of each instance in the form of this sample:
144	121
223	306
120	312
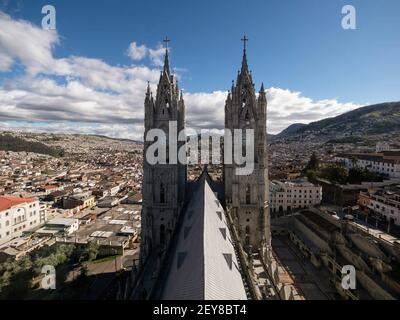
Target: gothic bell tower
247	196
164	184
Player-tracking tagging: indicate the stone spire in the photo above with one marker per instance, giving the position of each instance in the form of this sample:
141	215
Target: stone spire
262	96
148	92
262	90
244	75
245	67
166	59
166	62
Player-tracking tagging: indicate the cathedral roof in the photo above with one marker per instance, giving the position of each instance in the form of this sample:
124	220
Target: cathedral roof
204	265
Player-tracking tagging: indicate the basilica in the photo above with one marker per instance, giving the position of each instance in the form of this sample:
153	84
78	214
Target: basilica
197	236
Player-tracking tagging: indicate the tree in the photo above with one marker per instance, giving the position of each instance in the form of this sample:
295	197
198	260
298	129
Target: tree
313	163
335	173
90	252
311	174
58	255
371	176
15	278
356	175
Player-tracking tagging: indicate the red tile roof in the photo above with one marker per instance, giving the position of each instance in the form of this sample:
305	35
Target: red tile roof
9	202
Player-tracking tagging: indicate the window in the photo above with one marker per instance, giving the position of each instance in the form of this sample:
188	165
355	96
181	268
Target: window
223	232
228	259
162	193
248	194
162	234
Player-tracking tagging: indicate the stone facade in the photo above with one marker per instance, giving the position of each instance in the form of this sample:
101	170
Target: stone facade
246	196
163	184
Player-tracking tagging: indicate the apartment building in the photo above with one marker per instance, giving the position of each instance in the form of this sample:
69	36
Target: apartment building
384	202
386	163
17	215
82	200
293	194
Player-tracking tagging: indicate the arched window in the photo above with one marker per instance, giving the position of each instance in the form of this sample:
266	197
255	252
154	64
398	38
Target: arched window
247	115
248	194
162	234
247	230
162	193
244	142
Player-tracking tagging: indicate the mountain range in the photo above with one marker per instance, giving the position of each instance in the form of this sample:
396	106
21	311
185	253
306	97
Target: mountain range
370	120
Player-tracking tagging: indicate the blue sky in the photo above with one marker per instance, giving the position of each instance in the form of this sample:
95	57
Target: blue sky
295	46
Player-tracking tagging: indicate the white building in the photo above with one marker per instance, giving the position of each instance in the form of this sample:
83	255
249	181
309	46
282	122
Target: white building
382	146
63	226
17	215
386	163
386	203
293	194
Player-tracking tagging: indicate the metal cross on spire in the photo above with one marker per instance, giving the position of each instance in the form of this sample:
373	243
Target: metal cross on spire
244	39
166	41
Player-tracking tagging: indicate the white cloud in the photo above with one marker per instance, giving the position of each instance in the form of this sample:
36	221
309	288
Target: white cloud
136	52
5	61
32	46
96	97
286	107
156	55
